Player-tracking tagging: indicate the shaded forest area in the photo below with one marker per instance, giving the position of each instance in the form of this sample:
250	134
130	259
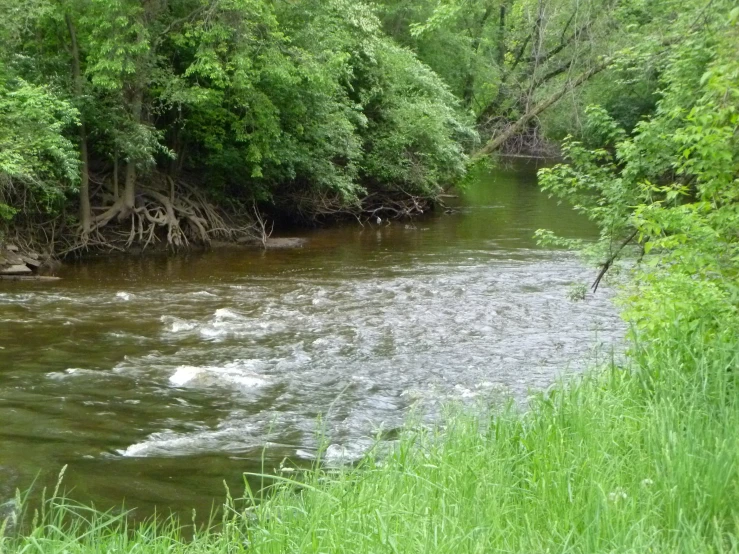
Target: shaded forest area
177	122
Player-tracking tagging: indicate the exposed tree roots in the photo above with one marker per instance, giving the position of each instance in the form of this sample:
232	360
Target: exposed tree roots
174	214
166	213
315	208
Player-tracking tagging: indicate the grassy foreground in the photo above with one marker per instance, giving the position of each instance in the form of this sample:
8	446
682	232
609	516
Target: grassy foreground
638	460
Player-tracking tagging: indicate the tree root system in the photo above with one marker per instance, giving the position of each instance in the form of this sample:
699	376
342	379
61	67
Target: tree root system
315	208
166	214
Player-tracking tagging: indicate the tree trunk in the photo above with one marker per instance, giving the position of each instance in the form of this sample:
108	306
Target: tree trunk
115	177
501	37
468	89
85	210
129	187
496	142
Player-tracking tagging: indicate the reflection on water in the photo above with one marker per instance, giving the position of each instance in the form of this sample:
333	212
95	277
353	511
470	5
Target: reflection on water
155	379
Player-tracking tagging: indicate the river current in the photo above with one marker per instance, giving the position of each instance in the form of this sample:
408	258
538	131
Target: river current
157	378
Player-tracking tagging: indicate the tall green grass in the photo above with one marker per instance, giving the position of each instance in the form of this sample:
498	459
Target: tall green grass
639	459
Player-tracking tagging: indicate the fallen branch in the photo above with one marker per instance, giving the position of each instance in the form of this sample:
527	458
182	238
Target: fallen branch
261	226
498	141
609	262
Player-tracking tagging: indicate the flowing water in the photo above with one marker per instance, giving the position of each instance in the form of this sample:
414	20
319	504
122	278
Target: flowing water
155	379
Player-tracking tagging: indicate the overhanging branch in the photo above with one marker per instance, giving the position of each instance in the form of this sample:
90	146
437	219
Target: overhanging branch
498	141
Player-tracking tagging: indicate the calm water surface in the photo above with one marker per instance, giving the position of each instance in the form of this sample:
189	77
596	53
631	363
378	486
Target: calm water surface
155	379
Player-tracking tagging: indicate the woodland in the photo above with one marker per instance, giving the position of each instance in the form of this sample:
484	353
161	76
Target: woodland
179	122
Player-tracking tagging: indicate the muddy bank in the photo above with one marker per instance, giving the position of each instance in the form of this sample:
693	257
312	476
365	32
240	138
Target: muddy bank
18	264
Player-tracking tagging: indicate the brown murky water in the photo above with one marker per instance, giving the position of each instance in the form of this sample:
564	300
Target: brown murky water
156	379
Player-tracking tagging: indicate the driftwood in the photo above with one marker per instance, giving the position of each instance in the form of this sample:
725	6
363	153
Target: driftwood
314	207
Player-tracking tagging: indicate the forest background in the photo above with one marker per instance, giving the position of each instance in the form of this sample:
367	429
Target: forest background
175	122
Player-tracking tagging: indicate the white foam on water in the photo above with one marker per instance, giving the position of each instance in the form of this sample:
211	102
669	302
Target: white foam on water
224	314
134	450
124	295
161	444
177	325
204	293
464	392
340	454
73	372
239	374
184	375
231	437
225	322
122	335
35	298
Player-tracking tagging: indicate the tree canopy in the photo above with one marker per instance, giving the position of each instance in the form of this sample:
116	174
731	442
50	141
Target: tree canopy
173	120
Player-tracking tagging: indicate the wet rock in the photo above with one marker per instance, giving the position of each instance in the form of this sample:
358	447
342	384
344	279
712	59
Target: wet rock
17	269
31	262
13	259
18	264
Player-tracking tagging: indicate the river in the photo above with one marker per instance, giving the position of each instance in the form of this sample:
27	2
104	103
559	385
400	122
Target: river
157	378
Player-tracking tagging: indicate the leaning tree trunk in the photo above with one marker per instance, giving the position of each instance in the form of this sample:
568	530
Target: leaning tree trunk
498	141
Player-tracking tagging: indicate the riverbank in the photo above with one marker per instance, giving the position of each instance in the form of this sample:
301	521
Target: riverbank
28	266
626	459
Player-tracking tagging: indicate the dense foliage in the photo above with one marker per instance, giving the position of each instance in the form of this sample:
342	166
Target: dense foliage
502	58
670	187
304	104
166	116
